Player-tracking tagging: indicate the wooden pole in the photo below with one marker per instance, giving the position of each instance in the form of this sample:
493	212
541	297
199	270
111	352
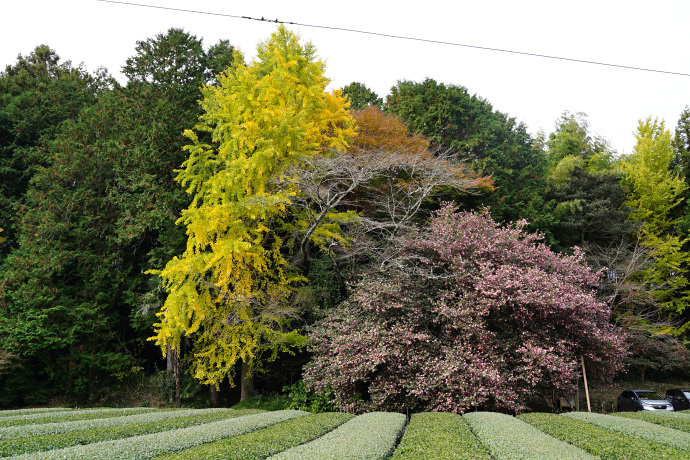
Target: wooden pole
584	375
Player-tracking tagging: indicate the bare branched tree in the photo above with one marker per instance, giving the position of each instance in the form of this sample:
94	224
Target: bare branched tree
375	196
634	300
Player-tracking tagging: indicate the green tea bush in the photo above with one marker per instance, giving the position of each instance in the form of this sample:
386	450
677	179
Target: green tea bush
34	410
12	432
266	442
49	417
60	441
439	436
510	438
154	445
637	428
599	441
668	419
367	436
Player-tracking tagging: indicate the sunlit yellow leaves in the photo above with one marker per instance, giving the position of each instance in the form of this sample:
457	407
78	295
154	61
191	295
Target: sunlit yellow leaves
655	190
231	289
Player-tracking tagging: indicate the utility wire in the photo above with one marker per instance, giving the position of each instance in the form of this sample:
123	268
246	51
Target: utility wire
401	37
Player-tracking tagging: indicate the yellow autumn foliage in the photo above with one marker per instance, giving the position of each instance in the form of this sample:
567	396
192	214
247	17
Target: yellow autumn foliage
231	289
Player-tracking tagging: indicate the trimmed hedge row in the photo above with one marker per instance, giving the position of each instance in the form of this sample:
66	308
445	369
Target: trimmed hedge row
510	438
154	445
637	428
60	441
24	431
263	443
287	435
33	410
598	440
368	436
52	417
677	422
439	435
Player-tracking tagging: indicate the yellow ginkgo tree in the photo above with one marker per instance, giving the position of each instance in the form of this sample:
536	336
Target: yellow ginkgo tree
654	191
230	291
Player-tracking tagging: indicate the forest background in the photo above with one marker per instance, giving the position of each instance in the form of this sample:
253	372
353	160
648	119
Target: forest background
90	201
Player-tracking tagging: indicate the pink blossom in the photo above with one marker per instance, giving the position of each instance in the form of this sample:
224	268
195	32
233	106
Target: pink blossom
488	316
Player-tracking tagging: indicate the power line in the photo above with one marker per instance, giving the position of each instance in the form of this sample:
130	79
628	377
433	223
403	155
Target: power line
401	37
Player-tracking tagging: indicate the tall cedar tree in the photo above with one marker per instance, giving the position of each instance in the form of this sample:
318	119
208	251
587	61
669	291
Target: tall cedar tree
230	291
95	218
37	93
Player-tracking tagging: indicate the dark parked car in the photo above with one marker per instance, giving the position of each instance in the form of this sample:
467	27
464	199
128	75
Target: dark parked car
634	400
679	397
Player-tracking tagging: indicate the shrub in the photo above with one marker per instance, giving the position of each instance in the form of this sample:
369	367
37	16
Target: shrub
637	428
368	436
268	441
469	315
599	441
303	398
265	402
439	436
510	438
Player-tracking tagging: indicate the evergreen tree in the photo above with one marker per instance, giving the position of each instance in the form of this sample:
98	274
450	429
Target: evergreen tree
492	143
584	195
96	217
361	97
37	93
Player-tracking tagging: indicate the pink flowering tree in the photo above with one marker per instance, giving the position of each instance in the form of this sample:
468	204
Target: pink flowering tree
466	314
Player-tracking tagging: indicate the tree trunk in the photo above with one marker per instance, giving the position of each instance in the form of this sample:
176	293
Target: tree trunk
173	362
70	370
215	396
584	376
246	382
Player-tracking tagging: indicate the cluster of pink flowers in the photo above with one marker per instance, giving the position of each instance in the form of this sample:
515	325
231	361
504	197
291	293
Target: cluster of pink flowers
486	316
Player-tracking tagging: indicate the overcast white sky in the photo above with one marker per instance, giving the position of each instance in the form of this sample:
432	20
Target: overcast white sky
647	34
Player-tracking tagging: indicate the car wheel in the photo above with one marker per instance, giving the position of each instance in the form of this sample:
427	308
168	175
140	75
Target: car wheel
620	409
